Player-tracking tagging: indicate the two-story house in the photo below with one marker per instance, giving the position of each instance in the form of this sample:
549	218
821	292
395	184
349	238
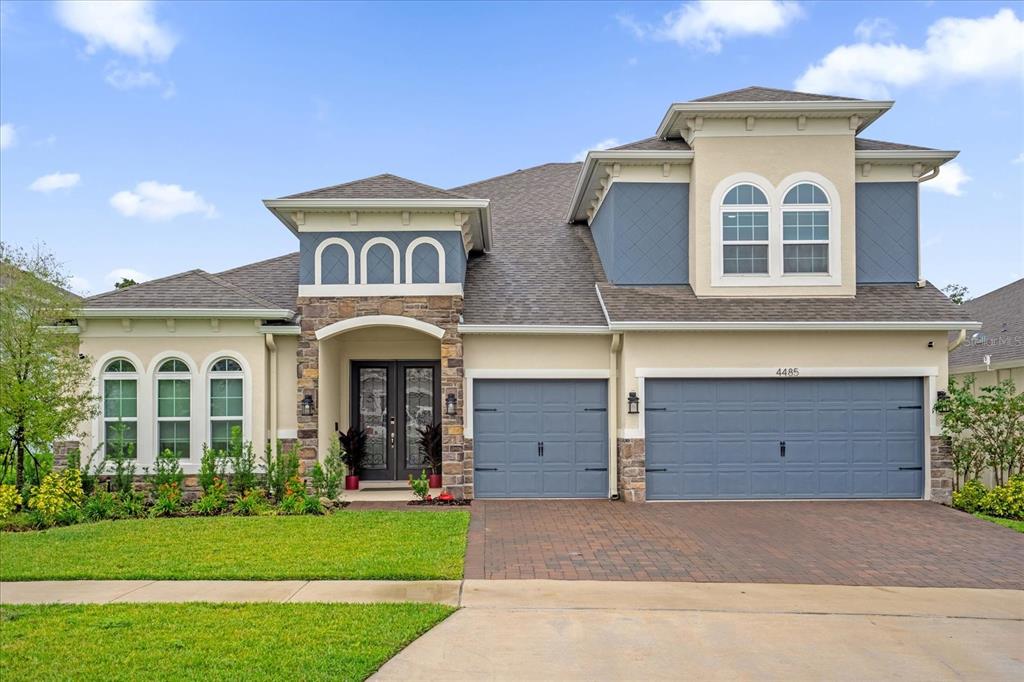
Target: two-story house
732	308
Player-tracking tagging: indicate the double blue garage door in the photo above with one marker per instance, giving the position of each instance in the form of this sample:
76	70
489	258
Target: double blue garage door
784	438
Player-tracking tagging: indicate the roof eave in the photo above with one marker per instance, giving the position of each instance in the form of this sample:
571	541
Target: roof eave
873	109
906	155
596	156
181	313
810	325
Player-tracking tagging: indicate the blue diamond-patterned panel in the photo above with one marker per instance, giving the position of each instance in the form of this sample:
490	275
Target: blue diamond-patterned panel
425	265
334	265
380	265
886	232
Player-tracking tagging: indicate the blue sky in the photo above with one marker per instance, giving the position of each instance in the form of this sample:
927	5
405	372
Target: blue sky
143	137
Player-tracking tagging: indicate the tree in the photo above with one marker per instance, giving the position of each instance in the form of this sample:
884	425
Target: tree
125	283
45	386
957	293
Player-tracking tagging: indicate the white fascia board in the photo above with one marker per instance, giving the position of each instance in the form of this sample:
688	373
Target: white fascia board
182	313
772	372
794	326
62	328
597	156
874	108
906	155
532	329
281	330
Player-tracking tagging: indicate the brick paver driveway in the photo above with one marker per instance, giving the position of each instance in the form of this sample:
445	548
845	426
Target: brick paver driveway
836	543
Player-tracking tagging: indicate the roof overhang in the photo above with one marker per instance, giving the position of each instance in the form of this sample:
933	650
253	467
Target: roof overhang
810	325
867	110
478	211
930	157
183	313
589	178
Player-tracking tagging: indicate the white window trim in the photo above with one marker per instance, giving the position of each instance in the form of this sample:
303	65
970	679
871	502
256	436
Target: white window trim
775	194
395	261
805	208
245	375
745	208
142	416
420	241
318	259
194	431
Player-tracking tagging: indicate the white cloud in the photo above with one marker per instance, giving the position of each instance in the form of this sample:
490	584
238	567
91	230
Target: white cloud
956	49
1019	159
950	180
603	144
48	183
705	24
8	136
129	79
875	29
128	27
156	201
79	285
117	274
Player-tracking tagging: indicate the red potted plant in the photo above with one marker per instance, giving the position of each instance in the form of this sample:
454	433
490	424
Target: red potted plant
430	448
353	450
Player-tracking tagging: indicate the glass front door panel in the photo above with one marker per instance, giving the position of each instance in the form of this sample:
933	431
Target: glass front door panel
373	415
419	411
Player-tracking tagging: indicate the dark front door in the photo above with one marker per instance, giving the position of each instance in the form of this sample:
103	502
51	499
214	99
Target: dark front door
392	400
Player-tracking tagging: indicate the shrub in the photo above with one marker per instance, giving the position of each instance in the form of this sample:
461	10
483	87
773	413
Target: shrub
211	469
970	497
243	462
90	472
420	486
168	470
10	500
253	502
129	505
58	499
429	441
213	501
1006	501
121	453
168	500
297	501
100	506
328	476
280	468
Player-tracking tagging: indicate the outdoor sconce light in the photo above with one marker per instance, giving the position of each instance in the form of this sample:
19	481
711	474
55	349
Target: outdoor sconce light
634	403
307	405
449	404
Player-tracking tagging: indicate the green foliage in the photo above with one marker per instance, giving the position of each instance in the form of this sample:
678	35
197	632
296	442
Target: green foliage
168	500
214	500
1006	501
429	442
970	496
121	453
327	478
353	446
10	500
47	388
420	486
58	499
252	502
100	506
168	470
125	283
279	468
296	501
211	468
129	505
957	293
90	472
243	462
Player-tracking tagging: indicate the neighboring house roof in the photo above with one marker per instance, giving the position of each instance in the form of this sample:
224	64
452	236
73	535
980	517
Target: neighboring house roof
873	303
756	93
383	186
1001	313
656	144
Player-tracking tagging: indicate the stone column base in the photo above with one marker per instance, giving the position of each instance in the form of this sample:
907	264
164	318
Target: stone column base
632	460
941	470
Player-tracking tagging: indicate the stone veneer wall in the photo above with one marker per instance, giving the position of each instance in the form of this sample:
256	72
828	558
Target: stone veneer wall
441	311
941	470
632	458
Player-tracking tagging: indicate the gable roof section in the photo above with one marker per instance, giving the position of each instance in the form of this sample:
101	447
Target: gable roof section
655	144
383	186
275	279
864	144
1001	313
757	93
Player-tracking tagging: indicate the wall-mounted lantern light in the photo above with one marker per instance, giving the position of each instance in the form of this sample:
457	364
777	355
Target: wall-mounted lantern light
449	404
307	405
634	403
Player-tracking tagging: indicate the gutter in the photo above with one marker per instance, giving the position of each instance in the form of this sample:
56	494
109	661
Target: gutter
182	313
613	416
786	106
532	329
272	388
799	325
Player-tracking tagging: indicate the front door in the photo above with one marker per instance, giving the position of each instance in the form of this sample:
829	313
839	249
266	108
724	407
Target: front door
392	400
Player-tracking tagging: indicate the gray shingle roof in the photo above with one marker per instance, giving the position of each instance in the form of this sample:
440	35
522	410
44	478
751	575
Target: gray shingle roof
384	186
657	144
756	93
540	270
275	279
865	144
187	290
872	303
1001	313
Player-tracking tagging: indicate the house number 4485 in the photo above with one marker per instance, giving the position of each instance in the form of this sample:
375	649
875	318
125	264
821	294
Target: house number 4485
788	371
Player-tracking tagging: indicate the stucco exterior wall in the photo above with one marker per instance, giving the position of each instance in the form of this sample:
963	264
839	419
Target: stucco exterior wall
992	377
536	351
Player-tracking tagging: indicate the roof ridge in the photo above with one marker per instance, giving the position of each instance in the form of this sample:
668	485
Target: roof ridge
166	278
520	170
378	176
765	87
255	263
239	290
996	290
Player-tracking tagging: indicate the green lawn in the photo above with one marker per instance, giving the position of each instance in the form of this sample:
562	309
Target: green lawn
358	545
208	641
1009	523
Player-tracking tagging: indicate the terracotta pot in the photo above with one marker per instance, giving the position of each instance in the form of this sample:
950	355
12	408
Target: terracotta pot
351	483
434	480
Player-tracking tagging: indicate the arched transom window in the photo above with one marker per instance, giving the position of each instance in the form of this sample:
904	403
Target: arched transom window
226	403
120	408
174	407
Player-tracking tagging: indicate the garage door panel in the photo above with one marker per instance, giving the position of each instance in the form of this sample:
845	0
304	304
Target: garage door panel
904	483
902	452
799	452
902	421
734	483
765	420
800	420
834	452
834	483
695	422
766	483
868	452
524	423
731	420
523	483
496	481
589	423
660	453
799	483
592	454
870	483
764	452
833	420
731	452
867	420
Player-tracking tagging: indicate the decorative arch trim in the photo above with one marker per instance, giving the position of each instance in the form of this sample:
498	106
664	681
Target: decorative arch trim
395	263
318	259
354	323
420	241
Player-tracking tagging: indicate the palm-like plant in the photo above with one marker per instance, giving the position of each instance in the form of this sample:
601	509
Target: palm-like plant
353	449
430	446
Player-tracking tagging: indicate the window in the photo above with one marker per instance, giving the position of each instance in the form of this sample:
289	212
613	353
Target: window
805	230
120	408
226	404
745	232
173	407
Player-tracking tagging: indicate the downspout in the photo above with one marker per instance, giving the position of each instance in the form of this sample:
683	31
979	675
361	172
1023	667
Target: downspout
272	389
955	343
613	417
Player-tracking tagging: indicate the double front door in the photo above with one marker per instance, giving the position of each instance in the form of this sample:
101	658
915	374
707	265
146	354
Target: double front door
392	400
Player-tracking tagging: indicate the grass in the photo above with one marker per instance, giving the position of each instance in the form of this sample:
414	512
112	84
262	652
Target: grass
1009	523
208	641
357	545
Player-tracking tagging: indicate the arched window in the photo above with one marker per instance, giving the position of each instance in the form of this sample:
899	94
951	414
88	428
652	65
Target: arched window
745	234
334	262
120	408
806	216
226	402
378	262
425	261
174	407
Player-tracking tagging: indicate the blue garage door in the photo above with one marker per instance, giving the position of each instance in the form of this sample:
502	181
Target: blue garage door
784	438
543	438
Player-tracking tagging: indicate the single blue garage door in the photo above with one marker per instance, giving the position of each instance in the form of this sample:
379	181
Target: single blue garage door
784	438
540	438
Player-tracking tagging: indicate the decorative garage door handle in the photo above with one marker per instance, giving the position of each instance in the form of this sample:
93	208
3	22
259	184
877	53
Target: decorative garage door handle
540	448
595	409
909	407
596	469
910	468
486	409
485	468
782	448
655	470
